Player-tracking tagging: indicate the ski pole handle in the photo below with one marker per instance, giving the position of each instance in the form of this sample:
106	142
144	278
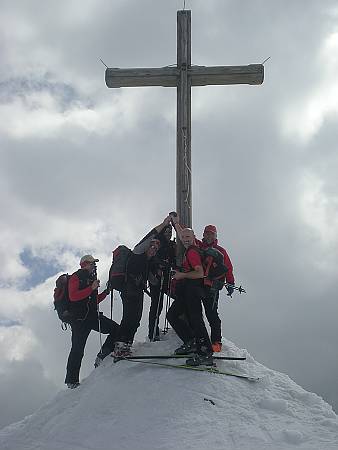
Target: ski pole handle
236	288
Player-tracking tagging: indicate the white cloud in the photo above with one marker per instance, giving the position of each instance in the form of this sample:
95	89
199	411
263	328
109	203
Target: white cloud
42	115
15	343
308	113
318	211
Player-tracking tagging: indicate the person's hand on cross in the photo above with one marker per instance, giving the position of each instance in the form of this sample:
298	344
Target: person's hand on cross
174	217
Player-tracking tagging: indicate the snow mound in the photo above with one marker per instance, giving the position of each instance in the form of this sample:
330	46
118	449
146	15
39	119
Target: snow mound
136	406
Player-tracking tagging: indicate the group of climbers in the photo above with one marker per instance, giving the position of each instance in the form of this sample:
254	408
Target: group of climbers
152	262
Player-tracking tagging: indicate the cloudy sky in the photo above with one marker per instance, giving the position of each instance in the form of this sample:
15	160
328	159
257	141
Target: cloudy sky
84	168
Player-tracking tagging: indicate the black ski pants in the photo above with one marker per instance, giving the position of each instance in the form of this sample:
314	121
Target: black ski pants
185	314
210	303
132	302
80	332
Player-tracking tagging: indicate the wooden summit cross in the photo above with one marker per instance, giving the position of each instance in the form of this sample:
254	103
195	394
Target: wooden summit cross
183	76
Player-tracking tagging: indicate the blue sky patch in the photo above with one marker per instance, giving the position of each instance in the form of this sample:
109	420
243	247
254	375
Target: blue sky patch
23	87
39	269
9	323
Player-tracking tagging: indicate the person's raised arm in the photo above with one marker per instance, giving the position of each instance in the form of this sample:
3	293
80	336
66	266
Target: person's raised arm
163	224
175	222
143	245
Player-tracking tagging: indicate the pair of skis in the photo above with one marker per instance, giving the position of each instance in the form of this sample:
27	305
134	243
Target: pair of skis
146	359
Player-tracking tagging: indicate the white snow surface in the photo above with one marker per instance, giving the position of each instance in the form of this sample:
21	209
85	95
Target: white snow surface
135	406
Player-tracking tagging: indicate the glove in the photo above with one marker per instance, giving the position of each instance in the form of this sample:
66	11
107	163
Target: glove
230	288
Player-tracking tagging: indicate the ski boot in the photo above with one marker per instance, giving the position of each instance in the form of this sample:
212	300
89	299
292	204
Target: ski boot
73	385
187	349
200	359
121	350
203	355
101	355
98	361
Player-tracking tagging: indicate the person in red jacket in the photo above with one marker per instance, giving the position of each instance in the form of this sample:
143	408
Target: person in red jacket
185	314
84	299
210	301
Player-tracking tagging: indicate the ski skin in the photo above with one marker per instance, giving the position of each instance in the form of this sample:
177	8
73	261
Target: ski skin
230	358
211	369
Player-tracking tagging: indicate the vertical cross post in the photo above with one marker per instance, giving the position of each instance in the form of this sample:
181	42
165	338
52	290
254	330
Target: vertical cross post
183	146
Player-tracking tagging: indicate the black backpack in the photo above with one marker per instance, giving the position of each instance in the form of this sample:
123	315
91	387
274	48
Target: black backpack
213	266
61	298
118	269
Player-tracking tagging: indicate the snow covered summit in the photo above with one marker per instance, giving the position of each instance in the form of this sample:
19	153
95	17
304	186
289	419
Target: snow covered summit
136	406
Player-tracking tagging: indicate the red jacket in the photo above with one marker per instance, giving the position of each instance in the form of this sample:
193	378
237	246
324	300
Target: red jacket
191	259
229	275
76	294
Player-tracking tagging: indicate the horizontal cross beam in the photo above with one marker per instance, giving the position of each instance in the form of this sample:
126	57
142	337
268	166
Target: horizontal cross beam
222	75
199	76
161	76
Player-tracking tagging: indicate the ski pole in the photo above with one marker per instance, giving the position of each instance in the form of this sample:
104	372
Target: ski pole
165	316
111	303
98	309
167	306
166	323
109	289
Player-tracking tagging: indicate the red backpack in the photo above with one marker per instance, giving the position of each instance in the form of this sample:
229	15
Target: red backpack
61	298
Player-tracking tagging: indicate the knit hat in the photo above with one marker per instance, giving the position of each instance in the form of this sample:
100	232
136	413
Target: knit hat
210	229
